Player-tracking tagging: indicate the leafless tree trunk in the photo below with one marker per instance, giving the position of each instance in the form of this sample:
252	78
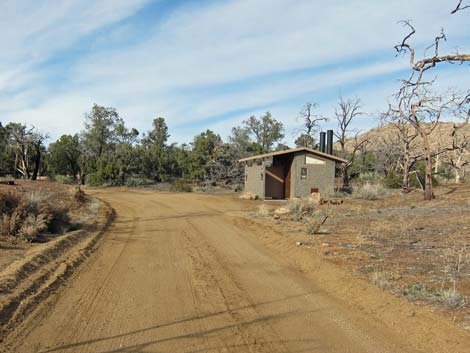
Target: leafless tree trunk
310	125
416	105
460	142
20	140
407	136
346	112
37	142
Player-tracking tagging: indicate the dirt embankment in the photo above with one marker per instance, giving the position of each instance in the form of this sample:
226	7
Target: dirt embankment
42	267
191	273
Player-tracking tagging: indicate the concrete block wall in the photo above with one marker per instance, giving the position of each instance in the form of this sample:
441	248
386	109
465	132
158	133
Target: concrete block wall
321	176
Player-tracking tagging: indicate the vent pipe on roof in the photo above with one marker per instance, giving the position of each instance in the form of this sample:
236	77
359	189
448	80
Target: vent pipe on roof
329	142
322	141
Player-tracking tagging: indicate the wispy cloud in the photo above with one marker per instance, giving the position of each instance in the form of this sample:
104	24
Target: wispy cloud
203	64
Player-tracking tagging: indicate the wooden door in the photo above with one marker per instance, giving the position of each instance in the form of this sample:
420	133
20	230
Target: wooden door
287	183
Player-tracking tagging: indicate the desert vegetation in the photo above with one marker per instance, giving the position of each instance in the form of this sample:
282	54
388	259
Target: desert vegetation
414	249
28	214
33	214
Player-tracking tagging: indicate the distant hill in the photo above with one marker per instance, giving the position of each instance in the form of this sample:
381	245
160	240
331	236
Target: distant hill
440	138
385	139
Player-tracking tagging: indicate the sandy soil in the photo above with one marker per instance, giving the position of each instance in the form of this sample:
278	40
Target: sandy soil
415	249
190	273
81	216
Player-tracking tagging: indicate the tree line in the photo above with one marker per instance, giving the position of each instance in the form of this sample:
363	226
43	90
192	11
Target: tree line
109	152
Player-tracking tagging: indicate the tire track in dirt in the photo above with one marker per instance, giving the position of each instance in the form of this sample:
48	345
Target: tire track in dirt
233	297
176	274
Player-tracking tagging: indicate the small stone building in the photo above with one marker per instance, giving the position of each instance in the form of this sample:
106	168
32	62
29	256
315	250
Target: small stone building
290	173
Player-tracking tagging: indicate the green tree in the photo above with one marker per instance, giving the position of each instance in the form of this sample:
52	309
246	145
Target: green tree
64	156
156	156
204	146
266	130
99	134
305	140
241	141
108	147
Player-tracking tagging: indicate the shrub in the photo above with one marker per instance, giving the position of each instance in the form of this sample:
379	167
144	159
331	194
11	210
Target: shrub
135	182
448	298
452	299
370	192
28	215
9	224
32	227
181	185
380	280
94	179
367	176
262	211
393	181
297	206
64	179
316	220
34	200
57	217
9	201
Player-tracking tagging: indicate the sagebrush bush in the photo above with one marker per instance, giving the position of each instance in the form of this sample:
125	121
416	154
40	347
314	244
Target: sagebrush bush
370	192
262	211
9	201
27	215
32	226
9	224
181	185
452	299
135	182
449	298
297	206
393	181
64	179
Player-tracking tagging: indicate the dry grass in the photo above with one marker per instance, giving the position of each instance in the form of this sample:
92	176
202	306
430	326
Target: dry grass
263	211
370	192
298	206
26	215
316	220
32	226
448	298
380	279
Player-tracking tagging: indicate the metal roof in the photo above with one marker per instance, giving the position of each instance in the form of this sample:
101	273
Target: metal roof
293	150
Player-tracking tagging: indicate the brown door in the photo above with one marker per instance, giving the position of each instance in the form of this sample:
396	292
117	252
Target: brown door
287	183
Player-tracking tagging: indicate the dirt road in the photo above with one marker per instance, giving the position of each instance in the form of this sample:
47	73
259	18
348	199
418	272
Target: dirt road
177	273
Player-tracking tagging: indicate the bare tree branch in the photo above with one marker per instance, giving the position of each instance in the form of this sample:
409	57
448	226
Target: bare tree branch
460	7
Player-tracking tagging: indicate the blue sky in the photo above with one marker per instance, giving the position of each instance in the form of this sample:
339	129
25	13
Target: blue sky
210	64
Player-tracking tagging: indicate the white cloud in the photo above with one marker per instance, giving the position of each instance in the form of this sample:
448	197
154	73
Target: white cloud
209	60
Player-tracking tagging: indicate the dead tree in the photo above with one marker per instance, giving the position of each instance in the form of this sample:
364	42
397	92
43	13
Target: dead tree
460	6
399	119
418	107
37	142
388	154
459	156
346	112
423	110
20	139
460	146
310	125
